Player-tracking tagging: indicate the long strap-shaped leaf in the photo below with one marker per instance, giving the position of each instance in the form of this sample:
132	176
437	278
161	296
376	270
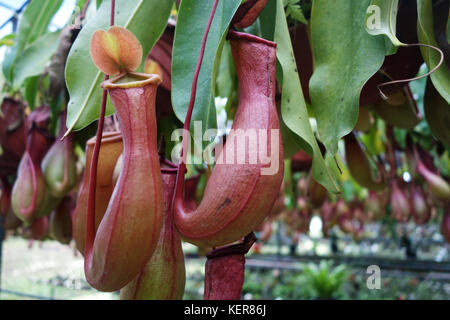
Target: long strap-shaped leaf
345	57
192	18
146	19
425	33
293	106
33	23
34	59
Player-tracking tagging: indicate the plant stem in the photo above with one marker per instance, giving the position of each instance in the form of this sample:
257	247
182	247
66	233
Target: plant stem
182	166
90	219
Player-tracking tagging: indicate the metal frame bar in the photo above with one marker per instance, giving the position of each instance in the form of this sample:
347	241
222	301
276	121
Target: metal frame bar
27	295
7	6
13	18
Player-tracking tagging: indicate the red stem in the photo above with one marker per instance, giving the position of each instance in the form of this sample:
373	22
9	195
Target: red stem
113	10
90	219
182	167
83	10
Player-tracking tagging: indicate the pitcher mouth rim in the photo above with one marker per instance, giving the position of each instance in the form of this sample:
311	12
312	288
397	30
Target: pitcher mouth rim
107	137
236	35
147	79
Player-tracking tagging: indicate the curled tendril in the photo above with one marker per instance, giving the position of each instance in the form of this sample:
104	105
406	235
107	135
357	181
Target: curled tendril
385	97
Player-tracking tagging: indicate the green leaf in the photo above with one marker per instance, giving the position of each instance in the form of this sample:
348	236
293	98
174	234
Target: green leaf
381	18
345	57
98	3
2	91
35	58
289	196
146	19
33	24
437	114
191	22
294	11
8	62
226	80
267	19
35	21
80	4
291	141
293	106
8	40
425	33
373	139
31	89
